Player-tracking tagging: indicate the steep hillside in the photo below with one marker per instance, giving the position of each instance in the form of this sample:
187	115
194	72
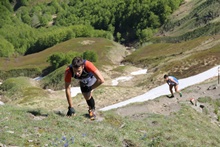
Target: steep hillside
159	122
104	48
179	59
30	26
193	19
34	111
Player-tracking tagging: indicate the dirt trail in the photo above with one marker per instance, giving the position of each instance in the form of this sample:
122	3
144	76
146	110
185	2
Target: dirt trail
167	106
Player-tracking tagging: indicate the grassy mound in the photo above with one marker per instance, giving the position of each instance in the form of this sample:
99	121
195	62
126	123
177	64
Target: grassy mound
21	90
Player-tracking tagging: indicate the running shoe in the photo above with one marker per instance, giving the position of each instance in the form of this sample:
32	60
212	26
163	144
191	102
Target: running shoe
92	114
171	96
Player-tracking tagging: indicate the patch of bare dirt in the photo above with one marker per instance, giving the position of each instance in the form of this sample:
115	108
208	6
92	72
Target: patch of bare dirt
117	53
184	9
87	42
167	106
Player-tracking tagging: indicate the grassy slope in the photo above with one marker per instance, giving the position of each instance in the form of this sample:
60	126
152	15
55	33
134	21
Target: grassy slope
192	15
184	128
202	53
21	90
101	46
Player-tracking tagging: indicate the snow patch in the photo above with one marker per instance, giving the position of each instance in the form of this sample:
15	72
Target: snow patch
164	89
74	91
139	72
38	78
1	103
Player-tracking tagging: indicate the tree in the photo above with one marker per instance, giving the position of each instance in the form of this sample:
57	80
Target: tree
6	48
24	2
56	59
90	55
146	35
59	59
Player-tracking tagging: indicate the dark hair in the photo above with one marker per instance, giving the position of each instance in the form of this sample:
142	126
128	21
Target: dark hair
165	76
77	62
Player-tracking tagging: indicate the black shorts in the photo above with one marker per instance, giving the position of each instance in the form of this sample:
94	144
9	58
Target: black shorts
85	88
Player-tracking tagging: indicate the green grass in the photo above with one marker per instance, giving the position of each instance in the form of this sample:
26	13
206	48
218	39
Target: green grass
18	66
200	14
204	99
157	52
39	60
20	127
174	58
21	90
120	69
215	103
196	63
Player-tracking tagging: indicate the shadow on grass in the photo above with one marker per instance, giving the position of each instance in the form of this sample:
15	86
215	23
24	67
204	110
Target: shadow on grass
37	113
60	113
86	115
169	96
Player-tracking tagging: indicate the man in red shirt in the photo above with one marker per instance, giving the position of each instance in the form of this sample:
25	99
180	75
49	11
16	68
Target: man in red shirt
89	77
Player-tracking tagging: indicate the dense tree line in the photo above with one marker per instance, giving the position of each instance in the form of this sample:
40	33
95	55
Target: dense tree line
29	26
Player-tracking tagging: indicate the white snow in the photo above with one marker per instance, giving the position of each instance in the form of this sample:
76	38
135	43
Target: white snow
121	79
74	91
38	78
1	103
139	72
164	90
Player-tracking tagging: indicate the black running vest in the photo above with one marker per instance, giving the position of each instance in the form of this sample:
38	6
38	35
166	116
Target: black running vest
85	76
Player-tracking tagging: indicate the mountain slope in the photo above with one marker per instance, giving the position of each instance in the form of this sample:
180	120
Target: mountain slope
193	19
160	122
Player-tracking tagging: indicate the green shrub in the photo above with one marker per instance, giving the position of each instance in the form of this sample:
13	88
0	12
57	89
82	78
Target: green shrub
218	119
59	59
54	80
90	55
206	99
6	48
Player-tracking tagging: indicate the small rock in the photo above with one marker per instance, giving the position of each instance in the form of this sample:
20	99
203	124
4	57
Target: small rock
201	106
164	105
213	87
128	143
122	126
12	132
